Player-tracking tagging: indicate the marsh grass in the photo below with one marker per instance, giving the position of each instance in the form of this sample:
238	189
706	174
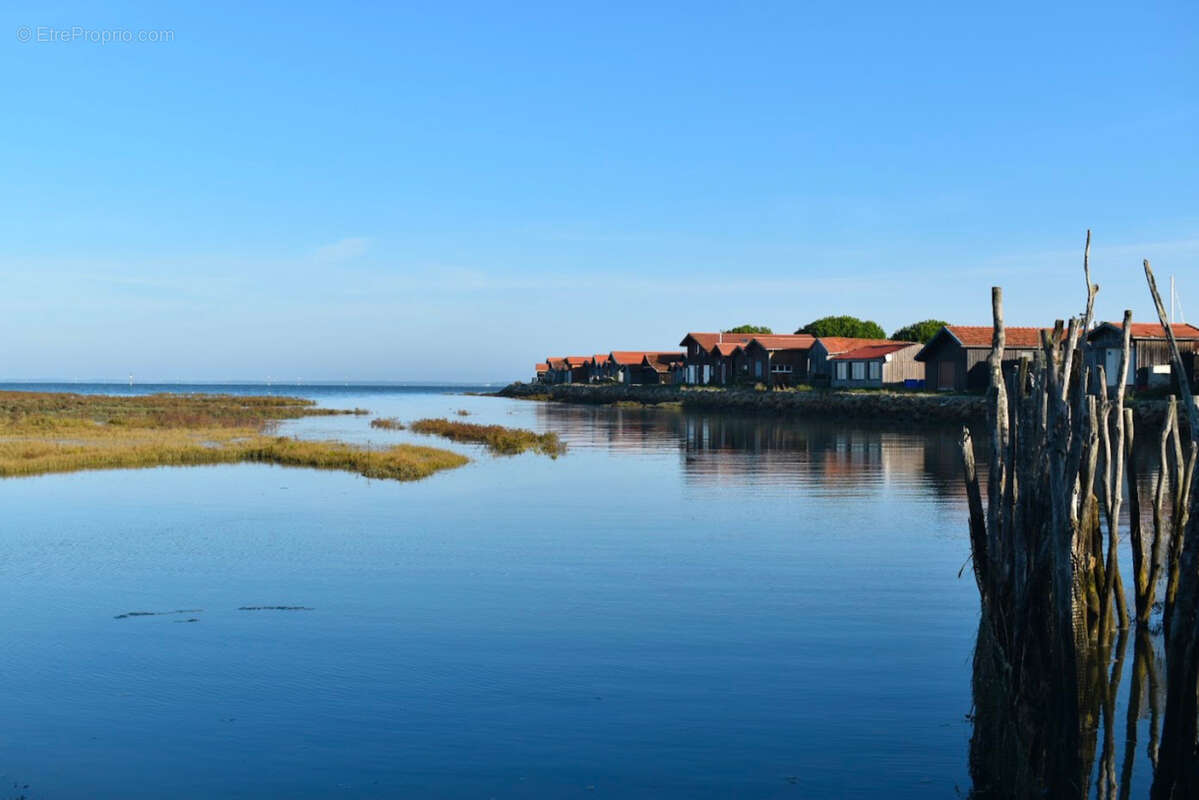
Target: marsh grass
51	432
388	424
497	438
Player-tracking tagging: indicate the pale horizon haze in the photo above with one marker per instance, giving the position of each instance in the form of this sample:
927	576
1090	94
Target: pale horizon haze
442	192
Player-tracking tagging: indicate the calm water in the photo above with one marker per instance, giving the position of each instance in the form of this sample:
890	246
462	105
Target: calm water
683	606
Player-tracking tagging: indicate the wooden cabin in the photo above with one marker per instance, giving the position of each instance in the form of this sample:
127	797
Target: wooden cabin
632	366
557	371
778	360
876	366
1150	348
956	358
600	368
820	368
541	373
701	358
580	368
660	367
728	363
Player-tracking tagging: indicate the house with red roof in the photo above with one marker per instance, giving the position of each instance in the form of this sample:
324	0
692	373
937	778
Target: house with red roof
600	368
956	358
705	353
661	367
642	366
778	360
820	367
541	374
875	366
579	367
557	370
1149	349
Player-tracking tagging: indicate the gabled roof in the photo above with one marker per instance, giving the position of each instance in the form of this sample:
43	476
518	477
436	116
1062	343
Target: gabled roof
707	340
577	361
979	337
872	351
843	344
1150	330
662	362
543	367
599	358
556	363
789	341
634	357
726	348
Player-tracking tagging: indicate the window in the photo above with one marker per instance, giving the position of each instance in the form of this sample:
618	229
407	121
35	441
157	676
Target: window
859	370
842	370
876	371
780	368
758	369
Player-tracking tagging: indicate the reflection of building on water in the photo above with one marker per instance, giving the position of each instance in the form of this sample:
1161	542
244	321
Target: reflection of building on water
728	449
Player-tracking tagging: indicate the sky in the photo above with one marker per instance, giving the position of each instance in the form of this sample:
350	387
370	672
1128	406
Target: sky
454	191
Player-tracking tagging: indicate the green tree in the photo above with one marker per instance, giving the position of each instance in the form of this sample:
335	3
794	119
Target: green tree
749	329
844	326
922	331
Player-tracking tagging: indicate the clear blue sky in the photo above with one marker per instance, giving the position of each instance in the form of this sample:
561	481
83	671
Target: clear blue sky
453	191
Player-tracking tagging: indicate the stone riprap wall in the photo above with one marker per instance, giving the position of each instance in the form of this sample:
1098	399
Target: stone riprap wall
915	407
1150	412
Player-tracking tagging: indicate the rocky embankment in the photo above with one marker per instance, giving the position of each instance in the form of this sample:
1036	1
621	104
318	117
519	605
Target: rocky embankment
923	407
905	406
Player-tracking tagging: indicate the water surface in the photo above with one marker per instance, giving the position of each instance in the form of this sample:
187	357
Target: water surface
682	606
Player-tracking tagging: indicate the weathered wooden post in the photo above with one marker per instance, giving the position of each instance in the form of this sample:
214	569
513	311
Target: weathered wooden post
1177	774
1049	580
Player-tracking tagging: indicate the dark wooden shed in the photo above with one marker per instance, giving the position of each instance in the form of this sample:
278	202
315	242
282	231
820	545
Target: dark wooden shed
956	358
701	358
1150	347
778	360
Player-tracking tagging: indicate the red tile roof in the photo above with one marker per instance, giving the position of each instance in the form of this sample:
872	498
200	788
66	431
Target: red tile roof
872	351
634	357
577	361
543	367
662	362
726	348
980	336
788	341
843	344
1154	330
556	363
600	358
708	340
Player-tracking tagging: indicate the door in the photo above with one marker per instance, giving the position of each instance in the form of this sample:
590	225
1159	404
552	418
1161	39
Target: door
946	375
1112	366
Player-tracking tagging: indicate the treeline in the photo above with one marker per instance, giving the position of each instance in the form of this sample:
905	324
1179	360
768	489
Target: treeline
854	328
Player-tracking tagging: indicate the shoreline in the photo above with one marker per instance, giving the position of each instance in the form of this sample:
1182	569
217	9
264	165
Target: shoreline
910	406
902	406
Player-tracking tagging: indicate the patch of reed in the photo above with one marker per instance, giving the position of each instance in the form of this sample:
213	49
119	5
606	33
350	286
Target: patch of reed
497	438
49	432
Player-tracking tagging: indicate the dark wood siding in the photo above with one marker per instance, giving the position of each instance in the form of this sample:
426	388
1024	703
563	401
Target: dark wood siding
969	365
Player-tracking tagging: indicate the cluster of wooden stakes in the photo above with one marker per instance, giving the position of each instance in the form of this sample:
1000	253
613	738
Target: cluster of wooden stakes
1045	557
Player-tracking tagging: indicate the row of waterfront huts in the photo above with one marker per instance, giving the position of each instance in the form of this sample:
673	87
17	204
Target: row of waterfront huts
954	359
